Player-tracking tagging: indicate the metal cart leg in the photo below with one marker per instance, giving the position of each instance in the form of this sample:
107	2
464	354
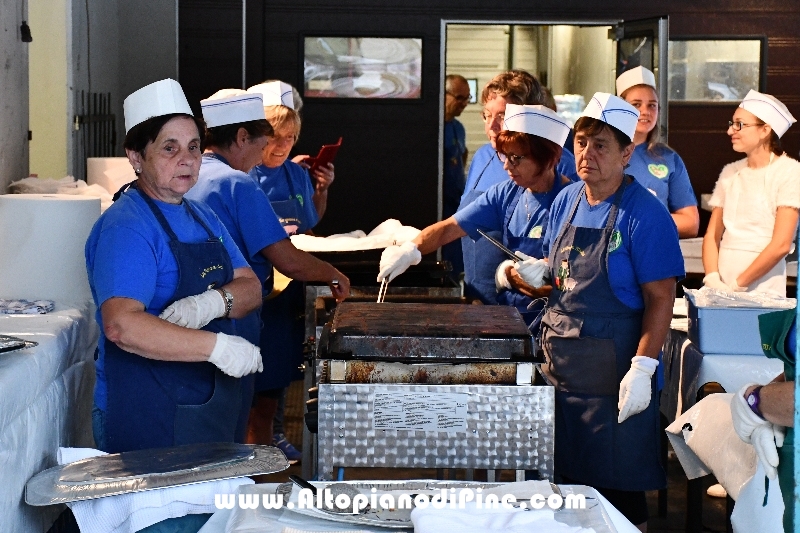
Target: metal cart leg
491	475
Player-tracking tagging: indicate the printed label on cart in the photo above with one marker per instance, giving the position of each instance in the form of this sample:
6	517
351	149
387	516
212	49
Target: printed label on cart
424	412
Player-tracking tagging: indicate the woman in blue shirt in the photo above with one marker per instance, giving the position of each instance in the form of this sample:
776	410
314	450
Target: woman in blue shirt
511	87
654	164
516	209
614	260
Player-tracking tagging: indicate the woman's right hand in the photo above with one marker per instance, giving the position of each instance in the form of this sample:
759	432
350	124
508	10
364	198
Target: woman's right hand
235	356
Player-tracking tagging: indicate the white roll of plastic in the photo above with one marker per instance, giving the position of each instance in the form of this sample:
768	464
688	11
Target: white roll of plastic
111	173
42	237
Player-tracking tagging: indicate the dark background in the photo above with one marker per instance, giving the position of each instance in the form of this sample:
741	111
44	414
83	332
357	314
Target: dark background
388	164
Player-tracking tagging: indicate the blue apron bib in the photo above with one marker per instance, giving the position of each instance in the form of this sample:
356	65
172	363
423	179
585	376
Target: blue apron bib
157	404
480	257
283	317
589	338
528	246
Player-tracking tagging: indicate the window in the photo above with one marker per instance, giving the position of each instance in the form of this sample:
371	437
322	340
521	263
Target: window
715	69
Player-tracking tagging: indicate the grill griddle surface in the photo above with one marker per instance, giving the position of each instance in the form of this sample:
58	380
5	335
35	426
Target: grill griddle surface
427	320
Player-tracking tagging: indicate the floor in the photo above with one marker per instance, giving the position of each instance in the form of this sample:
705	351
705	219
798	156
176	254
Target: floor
714	518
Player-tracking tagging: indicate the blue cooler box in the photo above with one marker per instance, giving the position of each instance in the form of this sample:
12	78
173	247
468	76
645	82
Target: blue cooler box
725	330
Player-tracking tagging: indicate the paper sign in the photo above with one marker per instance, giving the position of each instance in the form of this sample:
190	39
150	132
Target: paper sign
424	412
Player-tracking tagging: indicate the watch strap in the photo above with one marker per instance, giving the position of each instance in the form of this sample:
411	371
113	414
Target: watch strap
754	401
228	298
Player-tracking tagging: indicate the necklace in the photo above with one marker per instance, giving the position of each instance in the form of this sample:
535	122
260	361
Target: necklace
527	211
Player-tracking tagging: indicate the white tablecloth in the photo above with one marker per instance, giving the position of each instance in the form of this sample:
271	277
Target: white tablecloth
218	521
46	403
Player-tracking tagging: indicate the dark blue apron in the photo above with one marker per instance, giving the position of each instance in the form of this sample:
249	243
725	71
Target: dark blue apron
156	404
283	332
589	338
480	257
528	246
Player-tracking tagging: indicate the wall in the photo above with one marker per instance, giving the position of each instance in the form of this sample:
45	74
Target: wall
50	110
14	91
388	165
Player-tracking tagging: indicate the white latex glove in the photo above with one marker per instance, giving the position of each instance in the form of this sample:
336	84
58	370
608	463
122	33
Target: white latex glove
713	281
500	278
533	271
765	436
235	356
634	390
396	259
196	311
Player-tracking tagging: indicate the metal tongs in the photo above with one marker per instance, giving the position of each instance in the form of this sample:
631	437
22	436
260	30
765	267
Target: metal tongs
382	290
500	245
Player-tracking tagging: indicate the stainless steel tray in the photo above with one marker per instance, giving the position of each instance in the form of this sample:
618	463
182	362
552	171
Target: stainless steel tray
140	470
593	516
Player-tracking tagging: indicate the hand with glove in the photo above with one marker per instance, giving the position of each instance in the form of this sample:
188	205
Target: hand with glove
196	311
501	277
713	281
532	271
235	356
765	436
396	259
635	388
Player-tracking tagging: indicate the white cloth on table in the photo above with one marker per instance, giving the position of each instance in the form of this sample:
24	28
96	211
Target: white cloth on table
388	233
127	513
471	519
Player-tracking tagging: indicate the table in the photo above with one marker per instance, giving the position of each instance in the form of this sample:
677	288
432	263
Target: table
218	521
687	369
47	400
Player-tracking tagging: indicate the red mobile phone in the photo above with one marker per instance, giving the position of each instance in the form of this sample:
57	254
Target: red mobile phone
326	155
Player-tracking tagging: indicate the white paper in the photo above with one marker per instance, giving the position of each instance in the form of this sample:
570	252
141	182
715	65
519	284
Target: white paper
424	412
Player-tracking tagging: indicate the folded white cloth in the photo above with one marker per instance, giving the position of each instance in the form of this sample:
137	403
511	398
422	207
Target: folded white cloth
471	519
127	513
388	233
295	530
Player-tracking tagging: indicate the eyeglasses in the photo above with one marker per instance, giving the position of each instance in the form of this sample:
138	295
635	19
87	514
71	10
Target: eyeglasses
738	125
459	97
489	119
513	160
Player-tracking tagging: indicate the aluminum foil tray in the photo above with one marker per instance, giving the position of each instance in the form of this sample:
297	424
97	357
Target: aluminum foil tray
594	516
140	470
12	344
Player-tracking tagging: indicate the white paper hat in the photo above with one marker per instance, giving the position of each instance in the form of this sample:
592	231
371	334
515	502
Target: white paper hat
614	111
274	93
537	120
770	110
163	97
635	76
231	106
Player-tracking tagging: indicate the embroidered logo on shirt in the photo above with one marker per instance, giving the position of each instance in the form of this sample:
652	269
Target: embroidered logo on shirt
659	171
535	232
299	199
614	241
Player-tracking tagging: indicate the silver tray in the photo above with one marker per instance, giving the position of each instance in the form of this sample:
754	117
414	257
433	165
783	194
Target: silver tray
140	470
593	516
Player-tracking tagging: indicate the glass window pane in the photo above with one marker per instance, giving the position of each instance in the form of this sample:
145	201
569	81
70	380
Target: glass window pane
713	70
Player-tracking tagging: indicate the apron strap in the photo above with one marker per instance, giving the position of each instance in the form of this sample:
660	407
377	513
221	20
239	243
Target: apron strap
510	211
163	221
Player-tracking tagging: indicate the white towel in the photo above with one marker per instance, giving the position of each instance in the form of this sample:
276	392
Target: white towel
126	513
471	519
387	233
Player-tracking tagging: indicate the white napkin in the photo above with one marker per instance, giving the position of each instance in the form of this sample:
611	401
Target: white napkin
127	513
471	519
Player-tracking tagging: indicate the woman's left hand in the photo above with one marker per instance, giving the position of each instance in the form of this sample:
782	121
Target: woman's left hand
323	178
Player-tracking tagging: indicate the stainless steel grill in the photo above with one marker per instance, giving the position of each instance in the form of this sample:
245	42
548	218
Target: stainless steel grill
430	386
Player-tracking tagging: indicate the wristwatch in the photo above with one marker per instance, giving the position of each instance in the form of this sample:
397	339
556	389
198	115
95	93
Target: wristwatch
228	297
754	400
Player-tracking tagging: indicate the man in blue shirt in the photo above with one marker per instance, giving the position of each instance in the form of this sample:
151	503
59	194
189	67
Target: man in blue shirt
456	98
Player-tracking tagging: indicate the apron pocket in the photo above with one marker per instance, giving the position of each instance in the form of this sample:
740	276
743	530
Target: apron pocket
583	365
213	421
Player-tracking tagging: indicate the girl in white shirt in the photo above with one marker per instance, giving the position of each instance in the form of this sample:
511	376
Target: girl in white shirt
755	203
